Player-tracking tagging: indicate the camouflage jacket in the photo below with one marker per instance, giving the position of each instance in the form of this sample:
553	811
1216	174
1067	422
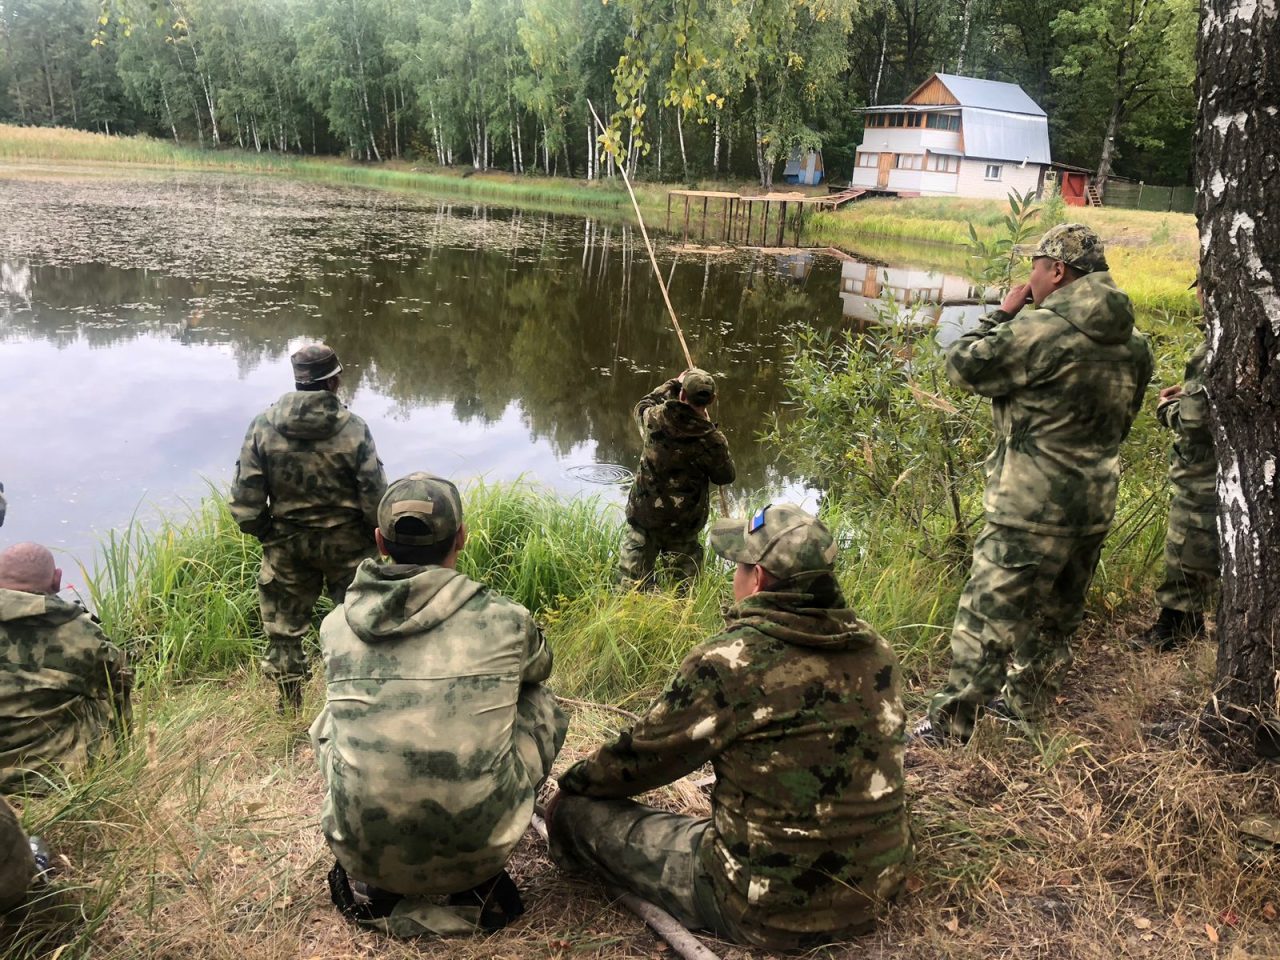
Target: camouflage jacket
306	462
425	670
17	865
799	711
683	452
1066	380
63	686
1193	468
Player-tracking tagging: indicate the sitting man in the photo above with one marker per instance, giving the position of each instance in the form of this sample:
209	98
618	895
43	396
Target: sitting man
669	501
797	706
437	729
63	685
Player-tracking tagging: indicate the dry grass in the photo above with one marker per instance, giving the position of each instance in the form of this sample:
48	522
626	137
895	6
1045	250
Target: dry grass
1089	843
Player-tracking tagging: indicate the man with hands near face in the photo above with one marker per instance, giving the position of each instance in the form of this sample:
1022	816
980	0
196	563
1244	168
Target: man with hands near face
1065	370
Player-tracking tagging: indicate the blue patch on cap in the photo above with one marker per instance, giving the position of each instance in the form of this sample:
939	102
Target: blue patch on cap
758	520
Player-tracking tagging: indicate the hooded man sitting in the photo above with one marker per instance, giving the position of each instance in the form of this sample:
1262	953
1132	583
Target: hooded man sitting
436	731
63	685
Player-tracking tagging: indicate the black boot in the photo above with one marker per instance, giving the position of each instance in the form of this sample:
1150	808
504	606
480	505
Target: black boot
1171	629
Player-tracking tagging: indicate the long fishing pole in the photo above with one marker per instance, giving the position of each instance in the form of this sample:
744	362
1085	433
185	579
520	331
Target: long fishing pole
657	275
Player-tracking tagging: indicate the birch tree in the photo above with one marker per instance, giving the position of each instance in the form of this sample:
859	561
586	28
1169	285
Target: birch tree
1238	211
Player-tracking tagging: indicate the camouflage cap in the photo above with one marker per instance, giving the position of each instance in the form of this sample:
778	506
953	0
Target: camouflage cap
432	502
314	363
699	386
1073	243
781	537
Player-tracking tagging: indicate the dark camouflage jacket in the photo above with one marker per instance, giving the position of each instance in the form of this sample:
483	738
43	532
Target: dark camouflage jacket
63	687
306	462
1193	468
1066	380
683	452
799	711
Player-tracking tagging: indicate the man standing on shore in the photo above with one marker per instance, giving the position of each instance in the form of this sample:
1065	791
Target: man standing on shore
1065	370
1190	582
670	499
307	485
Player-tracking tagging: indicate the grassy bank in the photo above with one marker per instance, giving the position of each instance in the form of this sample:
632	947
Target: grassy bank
199	838
1153	254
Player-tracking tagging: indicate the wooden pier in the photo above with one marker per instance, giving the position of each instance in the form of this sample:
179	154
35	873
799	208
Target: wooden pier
760	220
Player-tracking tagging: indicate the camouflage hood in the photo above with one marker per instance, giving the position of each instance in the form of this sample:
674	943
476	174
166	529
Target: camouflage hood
308	414
800	619
677	420
1095	306
50	610
394	601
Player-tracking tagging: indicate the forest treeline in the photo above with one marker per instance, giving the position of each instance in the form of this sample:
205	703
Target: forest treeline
697	88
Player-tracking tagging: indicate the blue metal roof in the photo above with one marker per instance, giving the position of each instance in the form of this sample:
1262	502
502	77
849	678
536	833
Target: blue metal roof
989	94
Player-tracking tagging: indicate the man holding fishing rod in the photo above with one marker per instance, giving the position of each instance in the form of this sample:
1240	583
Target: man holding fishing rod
684	452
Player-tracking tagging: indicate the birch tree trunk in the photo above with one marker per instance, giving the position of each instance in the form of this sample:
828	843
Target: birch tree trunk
715	148
1238	211
1108	149
684	158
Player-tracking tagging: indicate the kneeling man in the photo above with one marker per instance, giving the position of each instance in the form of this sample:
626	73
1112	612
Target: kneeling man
797	706
436	731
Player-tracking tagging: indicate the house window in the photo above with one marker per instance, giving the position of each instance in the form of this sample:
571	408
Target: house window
943	121
915	119
940	163
994	170
868	159
910	161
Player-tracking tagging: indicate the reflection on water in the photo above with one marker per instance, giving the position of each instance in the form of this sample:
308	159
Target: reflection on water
919	297
144	321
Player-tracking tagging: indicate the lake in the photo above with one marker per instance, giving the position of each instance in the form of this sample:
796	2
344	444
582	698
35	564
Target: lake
146	318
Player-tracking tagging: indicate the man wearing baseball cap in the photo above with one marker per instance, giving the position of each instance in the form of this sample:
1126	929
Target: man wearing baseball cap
1065	370
669	501
307	485
436	730
797	706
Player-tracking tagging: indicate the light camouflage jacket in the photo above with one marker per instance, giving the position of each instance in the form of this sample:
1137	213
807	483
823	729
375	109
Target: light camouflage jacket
307	462
63	688
1066	380
799	710
428	788
683	452
1193	467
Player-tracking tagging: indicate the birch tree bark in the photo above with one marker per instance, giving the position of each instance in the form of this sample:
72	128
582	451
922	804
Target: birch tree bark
1238	211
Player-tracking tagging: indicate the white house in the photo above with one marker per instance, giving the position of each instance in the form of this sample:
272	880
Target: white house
955	136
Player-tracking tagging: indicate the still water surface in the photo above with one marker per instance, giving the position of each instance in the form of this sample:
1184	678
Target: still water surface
144	320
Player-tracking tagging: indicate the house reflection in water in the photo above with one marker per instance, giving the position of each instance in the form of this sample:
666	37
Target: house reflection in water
921	298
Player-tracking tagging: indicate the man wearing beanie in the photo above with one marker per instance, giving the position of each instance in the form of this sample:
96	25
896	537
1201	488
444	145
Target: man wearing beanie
1065	369
436	729
307	485
669	502
797	706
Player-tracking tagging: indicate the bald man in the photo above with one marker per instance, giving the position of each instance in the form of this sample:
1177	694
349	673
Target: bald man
63	685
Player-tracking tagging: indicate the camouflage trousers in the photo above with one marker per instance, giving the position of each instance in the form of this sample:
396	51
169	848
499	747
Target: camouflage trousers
1012	634
296	567
638	555
1190	558
17	865
648	852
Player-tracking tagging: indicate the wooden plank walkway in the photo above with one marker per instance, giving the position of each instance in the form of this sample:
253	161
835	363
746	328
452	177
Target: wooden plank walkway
737	213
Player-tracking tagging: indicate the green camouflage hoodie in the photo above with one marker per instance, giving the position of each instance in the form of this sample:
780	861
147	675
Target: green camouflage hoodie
1066	380
799	710
683	452
63	687
425	740
306	462
1193	467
